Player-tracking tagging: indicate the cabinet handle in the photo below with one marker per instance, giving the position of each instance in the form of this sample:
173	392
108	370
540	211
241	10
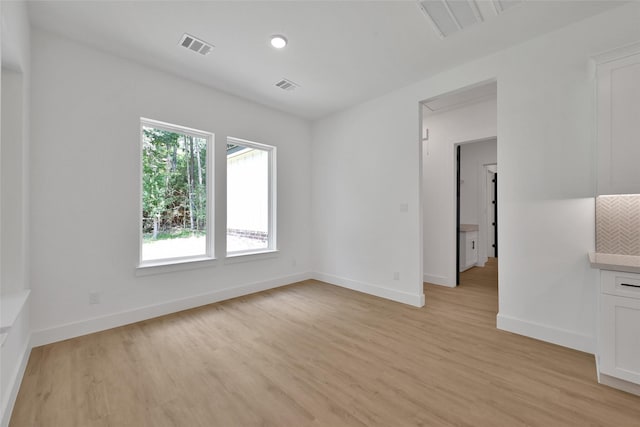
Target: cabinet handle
629	285
473	246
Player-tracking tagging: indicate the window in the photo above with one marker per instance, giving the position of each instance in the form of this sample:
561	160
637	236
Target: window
176	182
250	197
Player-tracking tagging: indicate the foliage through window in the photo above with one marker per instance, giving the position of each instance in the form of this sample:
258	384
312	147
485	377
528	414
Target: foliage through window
250	196
175	218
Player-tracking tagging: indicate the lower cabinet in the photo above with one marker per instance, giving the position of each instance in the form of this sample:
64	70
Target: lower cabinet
619	326
620	337
468	249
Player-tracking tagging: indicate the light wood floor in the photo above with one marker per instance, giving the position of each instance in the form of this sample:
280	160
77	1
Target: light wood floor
312	354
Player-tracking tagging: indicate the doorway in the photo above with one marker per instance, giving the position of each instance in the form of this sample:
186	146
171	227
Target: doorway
476	215
453	120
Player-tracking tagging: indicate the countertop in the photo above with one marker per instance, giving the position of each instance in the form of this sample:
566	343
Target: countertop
468	227
626	263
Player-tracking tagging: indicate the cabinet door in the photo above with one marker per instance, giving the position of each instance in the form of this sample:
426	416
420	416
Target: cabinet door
619	340
619	126
462	241
471	248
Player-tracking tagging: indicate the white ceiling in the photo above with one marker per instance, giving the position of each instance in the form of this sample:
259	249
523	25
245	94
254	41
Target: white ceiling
340	52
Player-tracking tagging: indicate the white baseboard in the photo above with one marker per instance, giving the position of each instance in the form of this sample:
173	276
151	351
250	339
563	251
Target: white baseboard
547	333
619	384
10	401
416	300
96	324
437	280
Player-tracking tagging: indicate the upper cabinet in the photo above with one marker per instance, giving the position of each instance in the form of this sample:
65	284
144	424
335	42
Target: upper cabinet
618	97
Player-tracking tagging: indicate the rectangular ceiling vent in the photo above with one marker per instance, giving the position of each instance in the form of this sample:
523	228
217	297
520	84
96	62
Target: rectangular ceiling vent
502	5
285	84
450	16
195	44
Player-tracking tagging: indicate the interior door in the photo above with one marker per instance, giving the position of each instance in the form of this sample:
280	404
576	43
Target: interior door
492	214
458	245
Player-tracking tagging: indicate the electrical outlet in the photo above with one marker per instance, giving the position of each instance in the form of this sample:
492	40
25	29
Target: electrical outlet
404	207
396	275
294	262
94	297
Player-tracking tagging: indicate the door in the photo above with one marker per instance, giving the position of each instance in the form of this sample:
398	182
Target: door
492	214
619	339
471	254
458	244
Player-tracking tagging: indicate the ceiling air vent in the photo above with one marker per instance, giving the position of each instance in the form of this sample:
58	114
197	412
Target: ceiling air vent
195	44
502	5
450	16
285	84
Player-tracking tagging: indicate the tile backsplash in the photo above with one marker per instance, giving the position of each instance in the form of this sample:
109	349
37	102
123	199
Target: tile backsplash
618	224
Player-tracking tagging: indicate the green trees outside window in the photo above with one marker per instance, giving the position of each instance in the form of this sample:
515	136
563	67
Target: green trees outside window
174	193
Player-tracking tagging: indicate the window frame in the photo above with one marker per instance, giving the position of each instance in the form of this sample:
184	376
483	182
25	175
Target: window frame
210	202
272	198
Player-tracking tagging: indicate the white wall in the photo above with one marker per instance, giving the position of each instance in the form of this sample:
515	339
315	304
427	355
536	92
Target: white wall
364	175
473	122
85	190
365	163
14	149
13	188
473	189
14	201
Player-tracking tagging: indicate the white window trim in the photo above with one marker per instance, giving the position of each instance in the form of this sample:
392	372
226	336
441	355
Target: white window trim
272	197
182	264
183	261
250	256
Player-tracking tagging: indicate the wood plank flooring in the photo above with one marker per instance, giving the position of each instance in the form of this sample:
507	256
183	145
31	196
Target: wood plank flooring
313	354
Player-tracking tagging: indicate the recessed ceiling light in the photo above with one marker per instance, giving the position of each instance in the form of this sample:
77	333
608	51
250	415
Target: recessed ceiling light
278	41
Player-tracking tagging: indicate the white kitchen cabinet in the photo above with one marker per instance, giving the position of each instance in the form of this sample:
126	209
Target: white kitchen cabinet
468	249
618	121
619	326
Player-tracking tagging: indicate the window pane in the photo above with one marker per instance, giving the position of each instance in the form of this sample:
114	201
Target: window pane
247	198
174	194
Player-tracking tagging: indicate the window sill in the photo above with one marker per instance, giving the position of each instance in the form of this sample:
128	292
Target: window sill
169	266
11	305
240	257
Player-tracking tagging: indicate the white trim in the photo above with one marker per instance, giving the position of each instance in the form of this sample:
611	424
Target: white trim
422	146
437	280
96	324
16	381
241	257
176	264
547	333
247	143
169	127
618	53
416	300
11	305
619	384
448	109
